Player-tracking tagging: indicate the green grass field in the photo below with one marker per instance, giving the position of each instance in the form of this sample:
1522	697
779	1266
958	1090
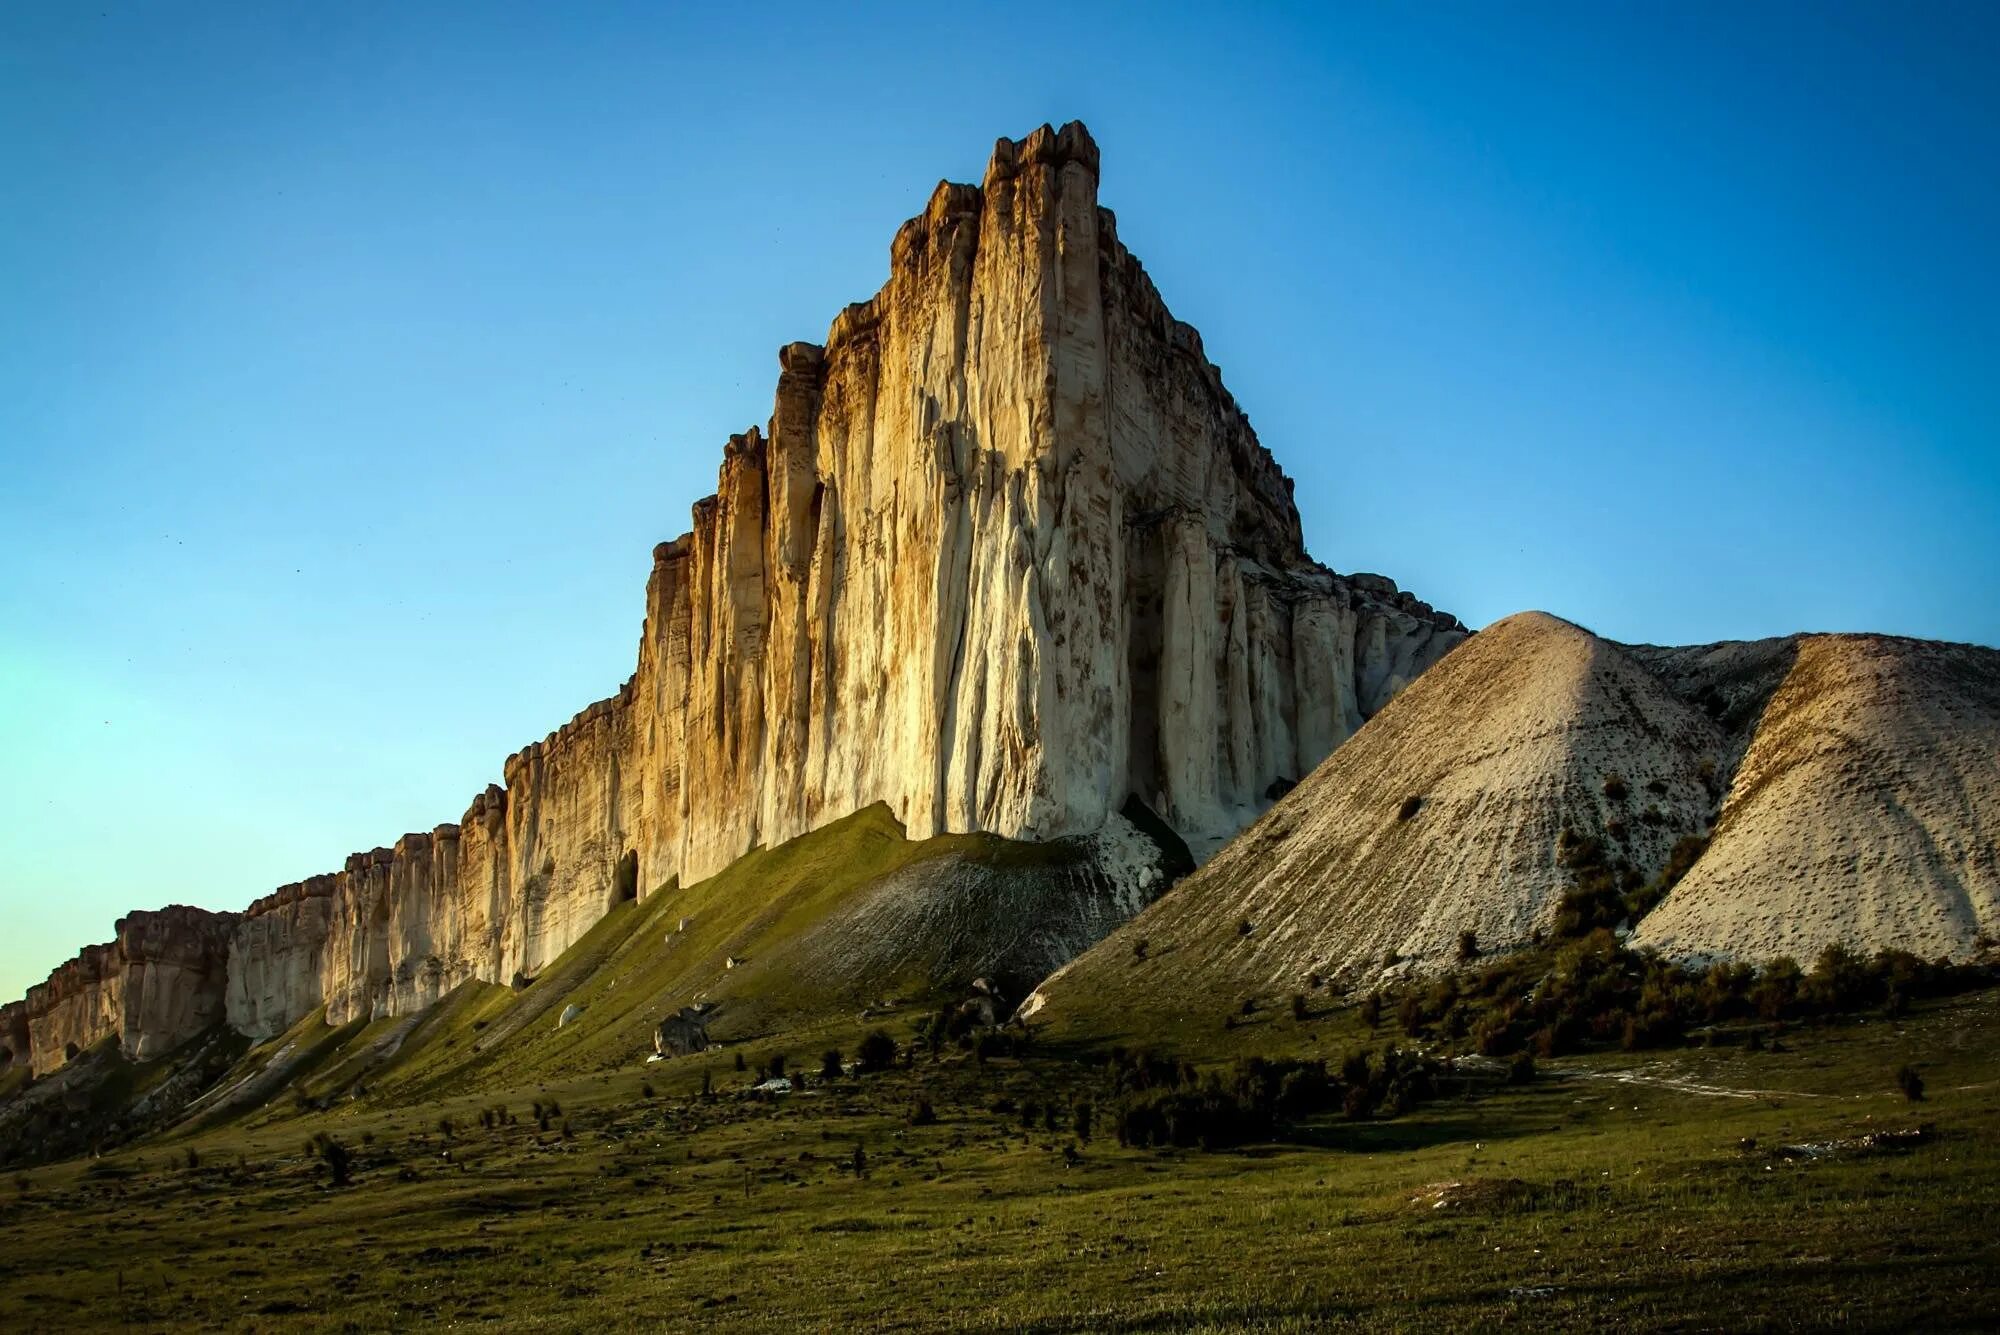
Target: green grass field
1652	1191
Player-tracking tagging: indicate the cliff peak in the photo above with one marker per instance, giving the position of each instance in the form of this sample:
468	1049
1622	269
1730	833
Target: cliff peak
1007	558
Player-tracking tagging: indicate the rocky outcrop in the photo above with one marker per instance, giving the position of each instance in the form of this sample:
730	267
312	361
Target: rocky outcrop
1006	556
158	983
13	1034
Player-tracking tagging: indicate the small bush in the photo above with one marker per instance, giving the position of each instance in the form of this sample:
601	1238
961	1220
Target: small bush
922	1114
1521	1070
877	1051
1411	1014
1244	928
1080	1118
646	1090
829	1064
1615	789
1468	946
335	1156
1411	806
1911	1084
1371	1010
1299	1007
1140	947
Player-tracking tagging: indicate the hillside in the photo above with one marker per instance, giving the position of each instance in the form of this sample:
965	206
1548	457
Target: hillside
1866	810
1852	783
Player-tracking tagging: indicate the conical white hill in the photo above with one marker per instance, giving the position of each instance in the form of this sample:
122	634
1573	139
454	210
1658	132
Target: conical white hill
1441	815
1866	811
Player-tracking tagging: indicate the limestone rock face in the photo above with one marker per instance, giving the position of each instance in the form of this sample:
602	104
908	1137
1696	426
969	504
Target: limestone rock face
156	985
1865	812
1005	556
1009	554
13	1034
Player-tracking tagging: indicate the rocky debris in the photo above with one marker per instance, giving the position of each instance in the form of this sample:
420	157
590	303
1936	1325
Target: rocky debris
682	1033
986	1005
1005	555
1489	1194
1873	1142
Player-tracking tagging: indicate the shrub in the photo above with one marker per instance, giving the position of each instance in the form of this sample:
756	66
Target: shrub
877	1051
1468	946
1299	1007
1521	1070
829	1064
741	1065
1371	1010
334	1156
922	1114
1411	1014
775	1067
1140	947
1080	1118
646	1089
1614	787
1910	1083
1244	928
1411	806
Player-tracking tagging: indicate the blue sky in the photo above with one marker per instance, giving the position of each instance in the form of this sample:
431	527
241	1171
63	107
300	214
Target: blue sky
353	357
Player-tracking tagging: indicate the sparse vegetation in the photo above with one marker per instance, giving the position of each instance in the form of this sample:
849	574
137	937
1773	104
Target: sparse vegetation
877	1051
1594	992
1911	1083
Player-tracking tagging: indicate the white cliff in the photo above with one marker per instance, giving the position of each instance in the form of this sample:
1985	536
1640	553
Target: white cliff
1006	554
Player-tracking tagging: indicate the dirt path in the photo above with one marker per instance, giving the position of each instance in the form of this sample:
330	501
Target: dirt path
1683	1085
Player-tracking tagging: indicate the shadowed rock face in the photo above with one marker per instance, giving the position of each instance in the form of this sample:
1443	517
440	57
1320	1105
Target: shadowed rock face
1006	555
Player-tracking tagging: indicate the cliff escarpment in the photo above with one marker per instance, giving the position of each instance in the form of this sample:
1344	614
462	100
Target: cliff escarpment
1005	556
155	985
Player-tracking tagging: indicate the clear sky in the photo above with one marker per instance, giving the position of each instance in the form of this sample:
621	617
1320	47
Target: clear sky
353	357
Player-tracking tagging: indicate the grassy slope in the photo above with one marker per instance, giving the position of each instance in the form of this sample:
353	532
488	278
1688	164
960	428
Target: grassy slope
635	966
1636	1206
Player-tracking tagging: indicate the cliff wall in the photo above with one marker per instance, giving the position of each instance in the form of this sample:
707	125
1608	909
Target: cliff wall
156	984
1006	553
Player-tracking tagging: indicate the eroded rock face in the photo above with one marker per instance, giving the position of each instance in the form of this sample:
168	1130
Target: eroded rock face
13	1034
1006	555
153	987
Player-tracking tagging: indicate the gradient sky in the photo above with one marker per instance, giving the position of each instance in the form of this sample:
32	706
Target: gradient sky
353	357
